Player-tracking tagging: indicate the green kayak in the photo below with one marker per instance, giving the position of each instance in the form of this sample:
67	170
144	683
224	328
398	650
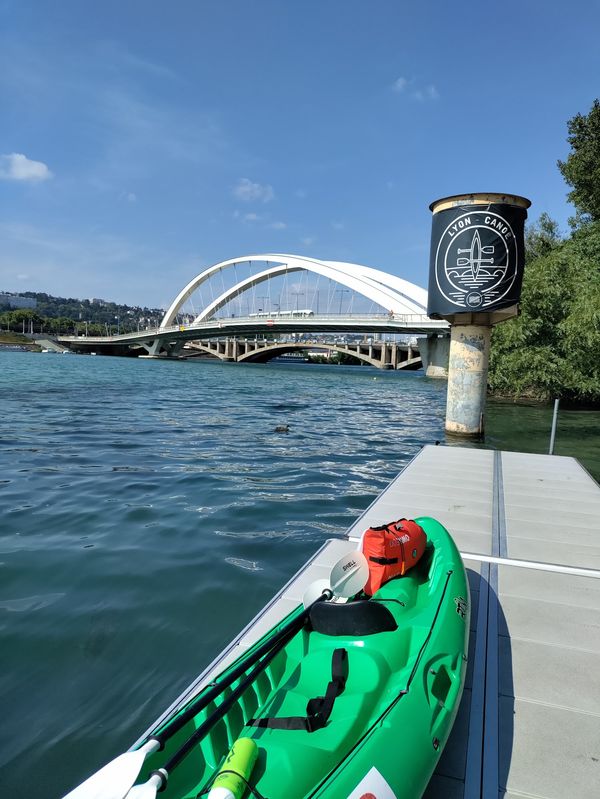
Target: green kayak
356	699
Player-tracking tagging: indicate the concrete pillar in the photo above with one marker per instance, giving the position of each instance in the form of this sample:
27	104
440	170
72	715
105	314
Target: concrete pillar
383	355
467	379
434	352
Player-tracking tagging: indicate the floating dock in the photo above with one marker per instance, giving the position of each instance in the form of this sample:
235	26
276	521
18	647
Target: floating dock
528	527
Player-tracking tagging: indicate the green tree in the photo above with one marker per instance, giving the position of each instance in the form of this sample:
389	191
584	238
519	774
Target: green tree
21	319
553	348
581	170
541	237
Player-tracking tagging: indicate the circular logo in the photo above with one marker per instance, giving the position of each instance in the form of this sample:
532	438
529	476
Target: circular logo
474	299
476	260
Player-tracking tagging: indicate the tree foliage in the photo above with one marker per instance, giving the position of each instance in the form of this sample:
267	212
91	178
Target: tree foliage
100	312
553	348
581	170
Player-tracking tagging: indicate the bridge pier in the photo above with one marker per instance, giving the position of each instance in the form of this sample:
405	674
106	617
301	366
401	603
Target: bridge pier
162	349
435	355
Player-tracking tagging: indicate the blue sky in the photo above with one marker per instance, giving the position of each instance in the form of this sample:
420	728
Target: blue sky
141	141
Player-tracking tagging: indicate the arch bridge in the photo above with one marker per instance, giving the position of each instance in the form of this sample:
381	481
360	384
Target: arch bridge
397	307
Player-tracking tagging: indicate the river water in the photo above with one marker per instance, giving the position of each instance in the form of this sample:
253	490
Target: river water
149	510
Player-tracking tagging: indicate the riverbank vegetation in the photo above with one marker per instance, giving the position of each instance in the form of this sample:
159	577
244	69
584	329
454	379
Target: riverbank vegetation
16	339
552	350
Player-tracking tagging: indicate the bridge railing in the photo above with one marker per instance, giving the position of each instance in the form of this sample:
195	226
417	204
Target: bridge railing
409	319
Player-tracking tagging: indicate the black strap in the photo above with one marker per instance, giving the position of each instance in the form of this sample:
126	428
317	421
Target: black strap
318	709
384	561
398	525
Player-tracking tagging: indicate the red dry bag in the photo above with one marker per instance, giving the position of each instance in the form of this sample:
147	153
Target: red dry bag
391	551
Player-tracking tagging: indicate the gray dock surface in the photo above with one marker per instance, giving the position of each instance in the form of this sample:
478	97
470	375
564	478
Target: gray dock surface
529	722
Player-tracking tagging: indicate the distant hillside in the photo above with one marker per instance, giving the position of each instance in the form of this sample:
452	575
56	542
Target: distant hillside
75	312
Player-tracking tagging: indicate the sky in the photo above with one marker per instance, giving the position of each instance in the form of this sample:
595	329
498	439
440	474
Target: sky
143	141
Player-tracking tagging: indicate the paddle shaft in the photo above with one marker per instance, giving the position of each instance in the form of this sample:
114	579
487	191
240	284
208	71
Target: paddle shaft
223	708
206	698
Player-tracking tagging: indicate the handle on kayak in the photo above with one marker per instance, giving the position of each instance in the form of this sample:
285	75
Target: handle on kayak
443	688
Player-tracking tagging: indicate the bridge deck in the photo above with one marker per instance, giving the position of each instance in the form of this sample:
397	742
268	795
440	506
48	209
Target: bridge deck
529	721
249	326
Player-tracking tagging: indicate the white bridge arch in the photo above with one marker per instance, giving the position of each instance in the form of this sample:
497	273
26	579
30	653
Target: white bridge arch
391	292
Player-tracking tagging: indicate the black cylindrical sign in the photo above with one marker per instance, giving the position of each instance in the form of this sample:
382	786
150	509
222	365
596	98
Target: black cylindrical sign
477	253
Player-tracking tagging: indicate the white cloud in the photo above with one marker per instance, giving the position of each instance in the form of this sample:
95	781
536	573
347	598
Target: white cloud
420	93
308	240
428	93
301	194
119	59
249	192
252	217
338	225
17	166
400	84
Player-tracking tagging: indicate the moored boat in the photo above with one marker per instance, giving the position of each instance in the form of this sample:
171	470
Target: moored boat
341	699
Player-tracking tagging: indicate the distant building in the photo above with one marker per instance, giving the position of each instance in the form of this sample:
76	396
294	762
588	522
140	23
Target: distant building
97	301
14	301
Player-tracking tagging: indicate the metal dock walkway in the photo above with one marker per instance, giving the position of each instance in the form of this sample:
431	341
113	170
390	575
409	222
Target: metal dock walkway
529	530
529	722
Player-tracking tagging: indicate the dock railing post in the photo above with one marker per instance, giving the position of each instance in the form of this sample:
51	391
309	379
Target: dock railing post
553	431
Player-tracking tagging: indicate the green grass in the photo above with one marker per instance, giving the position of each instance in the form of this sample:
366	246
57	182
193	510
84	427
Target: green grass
8	337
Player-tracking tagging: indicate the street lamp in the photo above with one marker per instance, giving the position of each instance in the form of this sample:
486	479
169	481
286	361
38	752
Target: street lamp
341	292
297	294
118	325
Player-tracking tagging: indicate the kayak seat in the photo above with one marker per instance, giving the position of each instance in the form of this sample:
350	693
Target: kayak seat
352	618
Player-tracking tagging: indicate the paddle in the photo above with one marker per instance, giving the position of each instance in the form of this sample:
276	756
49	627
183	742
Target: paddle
114	780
